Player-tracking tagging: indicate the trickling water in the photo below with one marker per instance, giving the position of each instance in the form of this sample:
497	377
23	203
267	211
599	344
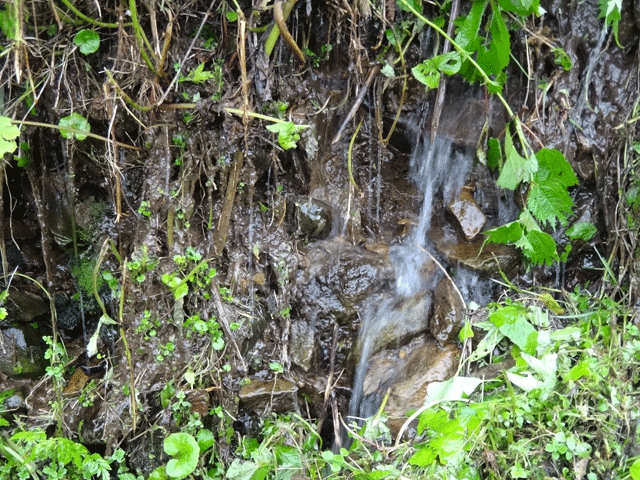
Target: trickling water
436	167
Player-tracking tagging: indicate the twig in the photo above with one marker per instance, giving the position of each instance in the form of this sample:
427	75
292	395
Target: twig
356	104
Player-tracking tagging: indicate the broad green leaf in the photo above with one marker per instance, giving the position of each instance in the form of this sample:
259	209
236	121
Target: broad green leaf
516	168
87	41
415	4
554	162
520	7
634	471
453	389
429	71
582	231
543	248
494	59
8	22
185	449
287	133
467	36
8	134
549	201
506	234
73	126
205	439
494	154
513	324
546	367
465	332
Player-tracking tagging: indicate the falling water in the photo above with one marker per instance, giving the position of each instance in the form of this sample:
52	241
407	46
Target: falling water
435	167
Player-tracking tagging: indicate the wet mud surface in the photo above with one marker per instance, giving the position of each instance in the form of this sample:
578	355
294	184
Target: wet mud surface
219	254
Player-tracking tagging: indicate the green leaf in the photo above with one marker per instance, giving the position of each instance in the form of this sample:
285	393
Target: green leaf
634	471
513	324
205	439
610	11
87	41
429	71
549	202
467	36
185	448
494	59
554	162
465	332
516	168
582	231
287	133
494	154
73	126
520	7
506	234
543	248
8	22
198	75
8	134
232	16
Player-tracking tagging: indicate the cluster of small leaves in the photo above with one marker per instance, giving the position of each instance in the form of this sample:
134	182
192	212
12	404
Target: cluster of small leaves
288	133
548	202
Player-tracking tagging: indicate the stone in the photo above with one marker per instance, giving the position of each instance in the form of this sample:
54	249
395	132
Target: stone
313	219
467	213
448	315
490	258
302	344
18	357
262	396
392	322
426	364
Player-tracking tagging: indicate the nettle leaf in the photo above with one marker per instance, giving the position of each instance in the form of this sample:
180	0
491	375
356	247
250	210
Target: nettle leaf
506	234
582	231
610	11
554	161
516	168
512	323
429	71
8	134
543	248
73	126
549	201
185	448
467	36
87	41
494	59
520	7
288	135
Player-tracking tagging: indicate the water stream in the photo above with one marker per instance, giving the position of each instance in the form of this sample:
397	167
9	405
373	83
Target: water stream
438	167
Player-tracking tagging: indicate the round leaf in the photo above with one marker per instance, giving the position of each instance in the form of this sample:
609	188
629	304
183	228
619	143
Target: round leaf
185	449
73	122
88	41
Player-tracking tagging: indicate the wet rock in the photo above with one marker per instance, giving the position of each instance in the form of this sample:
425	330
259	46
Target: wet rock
313	219
262	396
490	258
392	322
467	213
426	364
147	453
25	307
302	344
448	315
20	355
336	277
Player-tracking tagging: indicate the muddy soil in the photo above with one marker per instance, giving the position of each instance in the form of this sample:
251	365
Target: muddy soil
224	258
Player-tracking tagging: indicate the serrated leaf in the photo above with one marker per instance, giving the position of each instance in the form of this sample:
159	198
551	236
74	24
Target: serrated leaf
516	168
610	11
287	133
582	231
467	36
8	134
87	41
506	234
73	126
557	166
494	59
521	7
543	248
549	202
494	154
